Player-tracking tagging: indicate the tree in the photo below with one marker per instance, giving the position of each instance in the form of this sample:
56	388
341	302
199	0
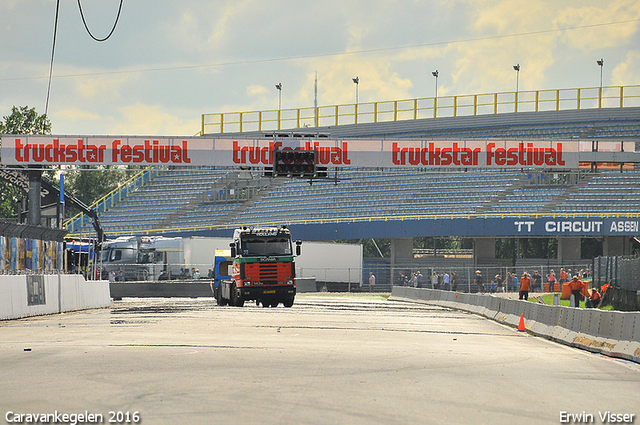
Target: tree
23	120
90	183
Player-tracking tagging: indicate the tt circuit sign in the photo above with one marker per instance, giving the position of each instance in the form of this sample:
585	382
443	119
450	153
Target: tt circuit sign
58	150
577	227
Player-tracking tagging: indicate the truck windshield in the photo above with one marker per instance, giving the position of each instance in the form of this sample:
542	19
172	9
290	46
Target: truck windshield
265	246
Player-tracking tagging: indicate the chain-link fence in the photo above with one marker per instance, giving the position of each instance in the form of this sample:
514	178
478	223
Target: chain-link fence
621	272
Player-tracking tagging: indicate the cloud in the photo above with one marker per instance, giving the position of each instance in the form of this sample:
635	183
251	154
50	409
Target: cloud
75	115
599	36
626	73
140	119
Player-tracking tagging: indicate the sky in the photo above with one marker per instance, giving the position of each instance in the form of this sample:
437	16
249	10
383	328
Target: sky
168	62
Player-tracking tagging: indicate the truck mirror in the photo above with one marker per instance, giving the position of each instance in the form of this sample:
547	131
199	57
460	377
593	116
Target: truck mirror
233	249
298	247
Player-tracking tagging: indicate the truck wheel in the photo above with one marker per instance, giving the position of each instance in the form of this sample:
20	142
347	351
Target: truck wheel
274	303
236	300
219	300
288	302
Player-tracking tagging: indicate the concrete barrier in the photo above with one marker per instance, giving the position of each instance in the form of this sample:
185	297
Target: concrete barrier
306	284
612	333
33	295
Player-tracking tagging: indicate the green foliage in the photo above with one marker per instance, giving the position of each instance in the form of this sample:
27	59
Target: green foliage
23	120
90	183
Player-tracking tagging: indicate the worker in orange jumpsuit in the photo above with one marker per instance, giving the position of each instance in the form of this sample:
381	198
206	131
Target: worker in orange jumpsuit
577	286
525	285
594	299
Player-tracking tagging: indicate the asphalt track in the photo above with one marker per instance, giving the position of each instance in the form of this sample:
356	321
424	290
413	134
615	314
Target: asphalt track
330	359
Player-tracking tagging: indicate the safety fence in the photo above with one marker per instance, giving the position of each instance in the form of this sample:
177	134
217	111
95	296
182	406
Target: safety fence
618	271
611	333
428	107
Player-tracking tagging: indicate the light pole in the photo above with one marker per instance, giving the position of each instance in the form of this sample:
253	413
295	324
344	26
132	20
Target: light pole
357	83
516	67
435	74
279	87
435	99
601	64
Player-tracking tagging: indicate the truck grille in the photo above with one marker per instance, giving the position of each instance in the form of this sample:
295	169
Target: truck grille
269	273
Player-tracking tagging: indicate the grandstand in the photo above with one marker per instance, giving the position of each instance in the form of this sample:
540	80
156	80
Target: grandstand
360	203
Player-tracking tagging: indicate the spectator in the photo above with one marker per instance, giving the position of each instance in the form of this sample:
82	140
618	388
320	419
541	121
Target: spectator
454	281
434	280
563	275
196	274
112	276
420	279
478	281
537	281
552	281
372	281
525	286
414	280
447	281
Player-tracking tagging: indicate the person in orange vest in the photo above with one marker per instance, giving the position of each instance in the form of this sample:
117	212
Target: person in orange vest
525	285
594	299
576	289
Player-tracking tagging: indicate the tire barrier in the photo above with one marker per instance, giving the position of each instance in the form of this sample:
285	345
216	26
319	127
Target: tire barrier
611	333
33	295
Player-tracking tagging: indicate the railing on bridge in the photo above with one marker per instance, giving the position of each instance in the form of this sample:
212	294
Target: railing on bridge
428	107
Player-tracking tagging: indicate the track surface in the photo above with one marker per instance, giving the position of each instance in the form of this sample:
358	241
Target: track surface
327	360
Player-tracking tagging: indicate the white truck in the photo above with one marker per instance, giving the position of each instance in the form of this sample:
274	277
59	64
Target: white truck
152	258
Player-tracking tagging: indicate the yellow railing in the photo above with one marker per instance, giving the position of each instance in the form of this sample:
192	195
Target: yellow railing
428	107
372	218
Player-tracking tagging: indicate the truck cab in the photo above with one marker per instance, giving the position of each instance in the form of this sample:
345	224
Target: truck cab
263	268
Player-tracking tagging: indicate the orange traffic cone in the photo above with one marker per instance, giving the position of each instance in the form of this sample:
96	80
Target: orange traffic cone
521	325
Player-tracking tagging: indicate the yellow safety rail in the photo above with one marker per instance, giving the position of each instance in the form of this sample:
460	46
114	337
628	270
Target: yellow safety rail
370	219
77	221
427	107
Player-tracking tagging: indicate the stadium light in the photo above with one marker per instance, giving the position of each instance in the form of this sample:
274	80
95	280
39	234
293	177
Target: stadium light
279	87
357	83
516	67
601	64
435	74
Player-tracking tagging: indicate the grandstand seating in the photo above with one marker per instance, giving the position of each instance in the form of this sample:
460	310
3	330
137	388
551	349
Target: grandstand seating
175	200
178	198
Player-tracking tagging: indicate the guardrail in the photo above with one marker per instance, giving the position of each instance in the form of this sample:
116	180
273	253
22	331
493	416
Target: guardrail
612	333
360	219
79	220
426	107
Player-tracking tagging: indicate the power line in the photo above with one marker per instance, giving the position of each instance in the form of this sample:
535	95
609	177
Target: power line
53	49
87	27
323	55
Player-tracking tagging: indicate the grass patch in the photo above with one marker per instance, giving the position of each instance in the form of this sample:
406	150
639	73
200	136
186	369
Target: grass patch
548	299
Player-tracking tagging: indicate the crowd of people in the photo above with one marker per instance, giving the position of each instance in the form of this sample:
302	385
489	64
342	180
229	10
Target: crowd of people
524	284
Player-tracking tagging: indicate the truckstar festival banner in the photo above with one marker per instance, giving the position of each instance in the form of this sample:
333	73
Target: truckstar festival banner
49	150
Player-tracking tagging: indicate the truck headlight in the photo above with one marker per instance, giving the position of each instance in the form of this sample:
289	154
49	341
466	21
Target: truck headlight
290	282
247	283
